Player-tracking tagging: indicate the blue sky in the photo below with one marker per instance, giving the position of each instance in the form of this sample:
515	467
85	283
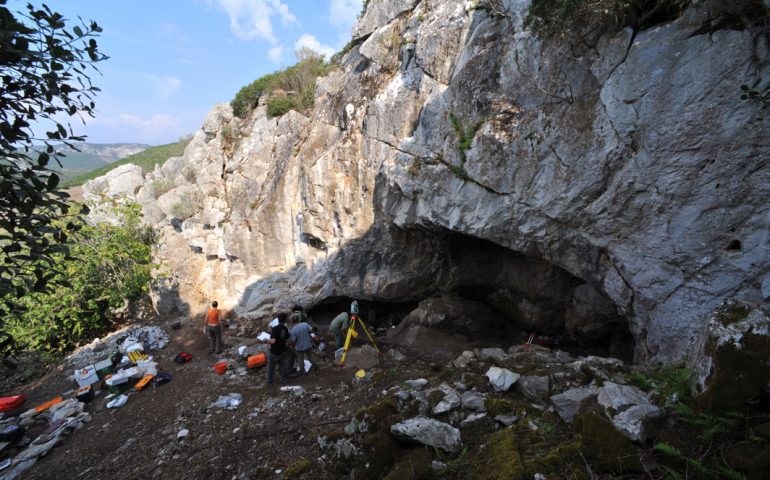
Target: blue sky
172	60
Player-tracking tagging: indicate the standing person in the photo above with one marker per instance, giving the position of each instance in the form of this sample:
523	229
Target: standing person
302	338
279	335
212	326
339	326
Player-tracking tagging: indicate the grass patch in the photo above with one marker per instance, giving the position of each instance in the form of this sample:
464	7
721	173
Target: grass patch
146	159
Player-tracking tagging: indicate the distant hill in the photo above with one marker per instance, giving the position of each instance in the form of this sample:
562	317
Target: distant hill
94	155
147	159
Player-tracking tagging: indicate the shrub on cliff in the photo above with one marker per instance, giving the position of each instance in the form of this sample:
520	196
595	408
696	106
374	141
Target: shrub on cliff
292	88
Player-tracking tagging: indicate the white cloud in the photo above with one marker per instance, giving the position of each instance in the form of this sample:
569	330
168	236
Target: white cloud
343	13
309	41
276	53
250	19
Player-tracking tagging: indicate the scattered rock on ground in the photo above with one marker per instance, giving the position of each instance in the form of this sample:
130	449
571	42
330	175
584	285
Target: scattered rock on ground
428	431
501	378
473	401
568	403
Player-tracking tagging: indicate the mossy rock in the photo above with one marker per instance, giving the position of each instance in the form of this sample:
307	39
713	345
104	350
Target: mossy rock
559	460
498	406
298	468
606	449
739	375
378	452
480	382
434	398
503	406
414	465
377	414
497	459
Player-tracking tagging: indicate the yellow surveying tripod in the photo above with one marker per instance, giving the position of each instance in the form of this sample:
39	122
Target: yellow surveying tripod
355	319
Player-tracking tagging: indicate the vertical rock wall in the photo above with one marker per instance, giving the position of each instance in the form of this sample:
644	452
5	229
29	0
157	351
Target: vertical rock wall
631	164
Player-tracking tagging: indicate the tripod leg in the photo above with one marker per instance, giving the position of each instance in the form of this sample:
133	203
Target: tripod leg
348	337
369	336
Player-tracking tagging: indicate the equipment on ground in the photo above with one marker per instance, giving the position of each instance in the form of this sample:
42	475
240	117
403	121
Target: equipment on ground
355	319
8	404
257	360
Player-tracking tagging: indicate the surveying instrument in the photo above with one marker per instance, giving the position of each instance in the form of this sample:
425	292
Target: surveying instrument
355	319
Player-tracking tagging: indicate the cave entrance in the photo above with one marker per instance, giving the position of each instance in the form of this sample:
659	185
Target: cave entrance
482	294
376	314
518	296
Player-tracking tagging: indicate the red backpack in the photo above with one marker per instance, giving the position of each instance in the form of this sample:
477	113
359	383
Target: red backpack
183	357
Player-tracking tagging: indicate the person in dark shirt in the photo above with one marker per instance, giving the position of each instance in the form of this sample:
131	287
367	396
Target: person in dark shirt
279	335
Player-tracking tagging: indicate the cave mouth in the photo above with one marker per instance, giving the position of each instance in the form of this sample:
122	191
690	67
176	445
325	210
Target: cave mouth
377	314
485	294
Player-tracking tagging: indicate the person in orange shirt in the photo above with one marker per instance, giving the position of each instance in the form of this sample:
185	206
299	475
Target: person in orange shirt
213	327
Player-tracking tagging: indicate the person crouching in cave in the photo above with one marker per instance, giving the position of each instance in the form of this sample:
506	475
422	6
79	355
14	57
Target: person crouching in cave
339	328
213	326
302	339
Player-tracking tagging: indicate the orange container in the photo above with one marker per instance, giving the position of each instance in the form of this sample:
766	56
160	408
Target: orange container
143	382
220	367
48	404
257	360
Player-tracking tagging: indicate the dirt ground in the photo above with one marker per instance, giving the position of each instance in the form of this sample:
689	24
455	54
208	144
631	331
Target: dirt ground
267	433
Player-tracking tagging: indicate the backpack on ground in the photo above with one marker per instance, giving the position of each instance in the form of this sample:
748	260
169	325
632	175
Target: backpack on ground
183	357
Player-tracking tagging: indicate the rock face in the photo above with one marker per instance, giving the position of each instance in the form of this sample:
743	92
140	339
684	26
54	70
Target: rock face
732	357
605	190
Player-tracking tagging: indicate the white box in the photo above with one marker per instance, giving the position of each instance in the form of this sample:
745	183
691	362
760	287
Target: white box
86	376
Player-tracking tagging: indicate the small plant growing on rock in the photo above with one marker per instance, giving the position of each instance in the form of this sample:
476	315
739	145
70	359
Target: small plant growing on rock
464	137
414	168
190	203
161	186
756	92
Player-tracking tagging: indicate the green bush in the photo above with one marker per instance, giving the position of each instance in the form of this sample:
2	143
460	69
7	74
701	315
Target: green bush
247	97
108	264
296	83
281	104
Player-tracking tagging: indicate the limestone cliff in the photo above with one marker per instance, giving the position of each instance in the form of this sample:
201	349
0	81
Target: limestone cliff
622	181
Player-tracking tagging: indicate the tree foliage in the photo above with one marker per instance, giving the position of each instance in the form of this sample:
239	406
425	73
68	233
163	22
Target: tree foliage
107	265
44	78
